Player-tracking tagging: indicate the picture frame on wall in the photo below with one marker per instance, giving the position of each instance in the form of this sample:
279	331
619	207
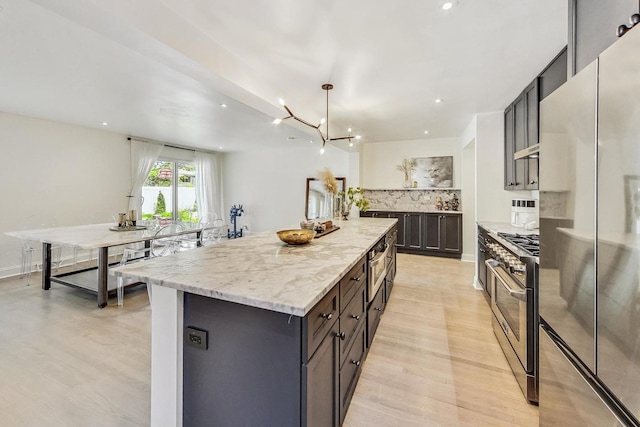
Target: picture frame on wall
433	172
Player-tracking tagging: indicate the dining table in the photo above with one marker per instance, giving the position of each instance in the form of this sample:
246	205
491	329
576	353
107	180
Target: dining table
92	236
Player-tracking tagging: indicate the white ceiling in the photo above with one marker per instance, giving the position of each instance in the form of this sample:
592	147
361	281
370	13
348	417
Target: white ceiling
161	68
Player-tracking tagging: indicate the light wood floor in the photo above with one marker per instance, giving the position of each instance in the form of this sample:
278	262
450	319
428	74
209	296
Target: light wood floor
435	361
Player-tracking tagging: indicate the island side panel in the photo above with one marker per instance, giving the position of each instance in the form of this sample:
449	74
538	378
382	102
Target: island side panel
250	374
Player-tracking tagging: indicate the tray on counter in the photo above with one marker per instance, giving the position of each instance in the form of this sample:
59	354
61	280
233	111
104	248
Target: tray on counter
135	228
327	231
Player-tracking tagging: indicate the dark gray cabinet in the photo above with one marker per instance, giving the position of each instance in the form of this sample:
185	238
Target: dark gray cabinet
437	234
413	236
443	233
321	382
554	75
520	132
592	28
531	112
521	125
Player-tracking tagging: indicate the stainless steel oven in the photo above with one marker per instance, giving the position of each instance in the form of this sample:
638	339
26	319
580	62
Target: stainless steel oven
377	268
512	283
509	305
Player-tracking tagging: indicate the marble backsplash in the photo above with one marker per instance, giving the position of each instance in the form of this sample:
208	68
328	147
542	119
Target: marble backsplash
410	200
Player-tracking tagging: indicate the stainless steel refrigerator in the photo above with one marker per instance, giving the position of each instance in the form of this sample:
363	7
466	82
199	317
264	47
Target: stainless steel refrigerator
589	276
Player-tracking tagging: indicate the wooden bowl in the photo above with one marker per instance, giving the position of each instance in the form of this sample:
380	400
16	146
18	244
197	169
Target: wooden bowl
296	237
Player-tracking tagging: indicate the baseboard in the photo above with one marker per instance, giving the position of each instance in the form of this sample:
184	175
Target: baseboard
468	258
476	285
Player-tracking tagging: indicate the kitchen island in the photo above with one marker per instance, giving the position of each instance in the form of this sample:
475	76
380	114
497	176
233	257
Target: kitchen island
274	334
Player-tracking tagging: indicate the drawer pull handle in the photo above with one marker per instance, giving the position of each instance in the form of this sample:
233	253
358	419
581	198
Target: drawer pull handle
356	362
327	316
355	316
379	309
356	279
341	335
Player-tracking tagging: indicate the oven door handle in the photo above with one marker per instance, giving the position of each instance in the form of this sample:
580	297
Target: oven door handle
516	293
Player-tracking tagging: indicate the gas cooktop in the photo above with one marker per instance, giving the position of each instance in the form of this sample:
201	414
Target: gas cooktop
530	243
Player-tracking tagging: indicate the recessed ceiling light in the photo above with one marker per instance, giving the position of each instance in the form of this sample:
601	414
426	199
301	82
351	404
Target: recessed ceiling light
291	138
220	148
105	124
426	132
448	5
223	105
439	100
311	142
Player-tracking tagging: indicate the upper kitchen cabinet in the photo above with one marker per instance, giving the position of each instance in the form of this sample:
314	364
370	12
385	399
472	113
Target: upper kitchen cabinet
592	28
554	76
521	132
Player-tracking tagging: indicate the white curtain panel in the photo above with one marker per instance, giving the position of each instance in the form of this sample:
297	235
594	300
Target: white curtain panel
208	184
143	157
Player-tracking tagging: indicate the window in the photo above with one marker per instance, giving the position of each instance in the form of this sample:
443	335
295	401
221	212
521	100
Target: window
170	196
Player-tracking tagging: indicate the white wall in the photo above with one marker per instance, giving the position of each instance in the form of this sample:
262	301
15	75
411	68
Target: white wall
469	202
75	174
380	160
493	202
271	184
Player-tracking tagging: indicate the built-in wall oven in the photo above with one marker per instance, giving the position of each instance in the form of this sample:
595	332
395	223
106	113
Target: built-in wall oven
378	261
511	281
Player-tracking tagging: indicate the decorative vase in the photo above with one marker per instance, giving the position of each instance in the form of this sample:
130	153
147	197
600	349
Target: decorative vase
327	213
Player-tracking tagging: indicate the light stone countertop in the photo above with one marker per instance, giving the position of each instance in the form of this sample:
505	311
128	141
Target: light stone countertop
424	211
261	271
505	227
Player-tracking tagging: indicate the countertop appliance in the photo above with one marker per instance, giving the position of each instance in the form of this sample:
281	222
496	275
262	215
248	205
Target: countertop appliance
512	284
524	213
589	291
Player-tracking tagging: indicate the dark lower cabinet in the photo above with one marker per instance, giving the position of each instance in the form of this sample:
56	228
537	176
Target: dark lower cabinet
321	383
438	234
414	223
351	368
442	233
376	308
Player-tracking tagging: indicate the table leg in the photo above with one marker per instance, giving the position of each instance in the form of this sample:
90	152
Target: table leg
198	234
103	275
46	266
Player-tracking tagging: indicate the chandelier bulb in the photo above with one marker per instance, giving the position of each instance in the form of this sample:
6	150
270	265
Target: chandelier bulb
351	144
323	120
358	137
322	150
281	101
277	121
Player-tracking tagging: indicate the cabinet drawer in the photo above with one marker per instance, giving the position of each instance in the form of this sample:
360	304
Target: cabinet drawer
373	315
319	321
350	320
351	282
350	372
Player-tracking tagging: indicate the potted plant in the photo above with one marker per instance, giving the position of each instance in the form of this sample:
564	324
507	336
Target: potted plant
353	196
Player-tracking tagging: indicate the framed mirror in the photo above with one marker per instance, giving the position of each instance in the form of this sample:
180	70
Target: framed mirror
314	199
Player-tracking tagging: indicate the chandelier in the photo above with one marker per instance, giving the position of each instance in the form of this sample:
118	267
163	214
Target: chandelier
324	136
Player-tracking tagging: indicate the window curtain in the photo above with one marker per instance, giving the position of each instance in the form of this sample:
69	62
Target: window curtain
143	157
208	184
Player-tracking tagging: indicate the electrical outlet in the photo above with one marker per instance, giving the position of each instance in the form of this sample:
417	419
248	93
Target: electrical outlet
197	338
